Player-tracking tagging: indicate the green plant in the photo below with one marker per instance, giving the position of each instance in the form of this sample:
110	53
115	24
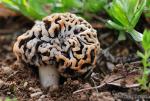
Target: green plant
8	99
80	6
33	9
125	14
144	80
37	9
147	9
66	5
94	5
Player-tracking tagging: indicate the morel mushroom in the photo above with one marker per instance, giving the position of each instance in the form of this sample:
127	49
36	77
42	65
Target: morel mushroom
61	44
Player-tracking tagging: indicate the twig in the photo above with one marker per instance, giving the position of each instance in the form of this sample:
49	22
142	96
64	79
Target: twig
94	84
106	52
91	88
104	35
96	87
14	73
131	63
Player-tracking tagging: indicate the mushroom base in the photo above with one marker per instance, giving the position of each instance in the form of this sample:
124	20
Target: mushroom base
49	76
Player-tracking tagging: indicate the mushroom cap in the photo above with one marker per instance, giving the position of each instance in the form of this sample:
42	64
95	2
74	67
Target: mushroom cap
63	39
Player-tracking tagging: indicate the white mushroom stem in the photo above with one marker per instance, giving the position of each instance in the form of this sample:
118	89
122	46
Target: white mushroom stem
49	76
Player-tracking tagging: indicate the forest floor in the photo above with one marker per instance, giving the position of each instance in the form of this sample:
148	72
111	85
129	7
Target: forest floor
114	78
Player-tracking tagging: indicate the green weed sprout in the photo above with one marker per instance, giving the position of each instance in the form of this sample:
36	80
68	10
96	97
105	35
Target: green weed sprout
125	15
144	80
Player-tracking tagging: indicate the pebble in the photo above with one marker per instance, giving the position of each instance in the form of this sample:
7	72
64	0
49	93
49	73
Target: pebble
7	70
25	84
42	96
8	93
35	94
35	90
75	82
110	66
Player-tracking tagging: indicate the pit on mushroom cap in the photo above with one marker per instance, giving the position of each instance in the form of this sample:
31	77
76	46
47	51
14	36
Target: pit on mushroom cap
61	44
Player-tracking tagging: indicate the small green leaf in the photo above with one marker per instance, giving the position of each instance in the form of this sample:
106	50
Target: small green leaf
136	35
138	13
140	54
147	72
114	25
146	40
125	14
130	7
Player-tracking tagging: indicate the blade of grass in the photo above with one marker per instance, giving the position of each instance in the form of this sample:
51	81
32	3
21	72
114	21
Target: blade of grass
136	16
114	25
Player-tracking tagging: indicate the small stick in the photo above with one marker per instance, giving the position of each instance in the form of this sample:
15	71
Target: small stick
90	88
96	87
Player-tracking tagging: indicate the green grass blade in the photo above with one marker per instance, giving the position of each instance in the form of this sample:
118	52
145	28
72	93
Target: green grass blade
114	25
10	4
138	13
115	10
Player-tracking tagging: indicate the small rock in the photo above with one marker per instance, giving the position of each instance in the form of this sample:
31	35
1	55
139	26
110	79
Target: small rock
34	90
75	82
7	70
31	89
8	93
1	83
42	96
35	94
110	66
25	84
